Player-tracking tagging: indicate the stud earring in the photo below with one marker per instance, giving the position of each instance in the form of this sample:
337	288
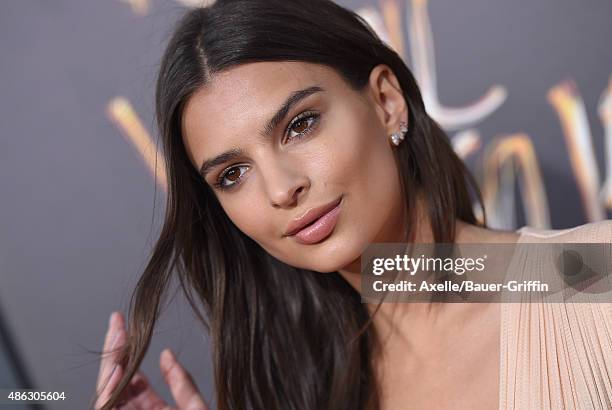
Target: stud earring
398	137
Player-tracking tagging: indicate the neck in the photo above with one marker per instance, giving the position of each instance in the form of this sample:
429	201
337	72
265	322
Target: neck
423	234
404	318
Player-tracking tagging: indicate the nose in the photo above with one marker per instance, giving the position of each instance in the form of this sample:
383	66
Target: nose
285	184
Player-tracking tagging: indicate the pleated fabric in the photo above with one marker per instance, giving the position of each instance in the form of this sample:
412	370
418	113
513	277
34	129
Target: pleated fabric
556	355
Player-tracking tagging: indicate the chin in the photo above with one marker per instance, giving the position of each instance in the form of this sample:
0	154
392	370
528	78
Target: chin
338	259
327	269
329	264
331	255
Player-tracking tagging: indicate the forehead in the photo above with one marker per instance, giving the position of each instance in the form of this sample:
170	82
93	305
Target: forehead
238	101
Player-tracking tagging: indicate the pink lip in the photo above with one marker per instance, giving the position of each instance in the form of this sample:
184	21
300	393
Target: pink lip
320	229
309	217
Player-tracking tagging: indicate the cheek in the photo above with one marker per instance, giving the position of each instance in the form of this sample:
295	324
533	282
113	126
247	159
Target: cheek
242	210
353	158
365	169
360	157
252	214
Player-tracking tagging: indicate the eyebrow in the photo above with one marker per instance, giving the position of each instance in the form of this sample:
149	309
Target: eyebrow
272	123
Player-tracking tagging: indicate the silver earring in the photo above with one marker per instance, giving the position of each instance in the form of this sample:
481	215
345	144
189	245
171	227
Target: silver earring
398	137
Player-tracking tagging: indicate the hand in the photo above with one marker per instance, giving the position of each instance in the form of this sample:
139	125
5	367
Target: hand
139	394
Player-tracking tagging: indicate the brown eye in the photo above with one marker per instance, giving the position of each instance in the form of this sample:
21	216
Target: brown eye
231	177
300	126
233	174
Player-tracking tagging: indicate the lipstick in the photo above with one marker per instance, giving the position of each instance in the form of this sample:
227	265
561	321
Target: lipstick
321	228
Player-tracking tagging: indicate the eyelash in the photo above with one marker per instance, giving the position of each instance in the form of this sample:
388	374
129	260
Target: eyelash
306	115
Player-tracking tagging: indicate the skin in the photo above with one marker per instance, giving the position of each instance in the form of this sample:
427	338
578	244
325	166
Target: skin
347	152
140	394
285	177
441	355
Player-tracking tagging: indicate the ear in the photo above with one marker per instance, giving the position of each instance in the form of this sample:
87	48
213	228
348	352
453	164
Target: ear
389	100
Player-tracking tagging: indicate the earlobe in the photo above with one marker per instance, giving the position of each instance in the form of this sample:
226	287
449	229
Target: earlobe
398	137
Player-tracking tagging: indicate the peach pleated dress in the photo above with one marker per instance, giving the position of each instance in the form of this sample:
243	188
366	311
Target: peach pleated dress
557	355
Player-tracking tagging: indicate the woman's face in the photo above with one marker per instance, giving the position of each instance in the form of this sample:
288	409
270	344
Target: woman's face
329	143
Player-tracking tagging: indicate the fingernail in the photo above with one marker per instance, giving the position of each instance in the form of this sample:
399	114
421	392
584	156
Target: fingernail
111	321
167	357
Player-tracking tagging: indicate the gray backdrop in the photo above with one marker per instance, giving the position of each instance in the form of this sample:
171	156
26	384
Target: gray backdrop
77	220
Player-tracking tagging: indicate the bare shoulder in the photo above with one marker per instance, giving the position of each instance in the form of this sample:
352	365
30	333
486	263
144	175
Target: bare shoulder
467	233
592	232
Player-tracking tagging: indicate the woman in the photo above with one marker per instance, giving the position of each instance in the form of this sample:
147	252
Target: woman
274	113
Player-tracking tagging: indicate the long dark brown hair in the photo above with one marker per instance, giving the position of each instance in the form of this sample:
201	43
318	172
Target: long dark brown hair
282	337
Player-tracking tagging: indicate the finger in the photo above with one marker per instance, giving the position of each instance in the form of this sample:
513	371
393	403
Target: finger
115	337
181	384
108	386
140	394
